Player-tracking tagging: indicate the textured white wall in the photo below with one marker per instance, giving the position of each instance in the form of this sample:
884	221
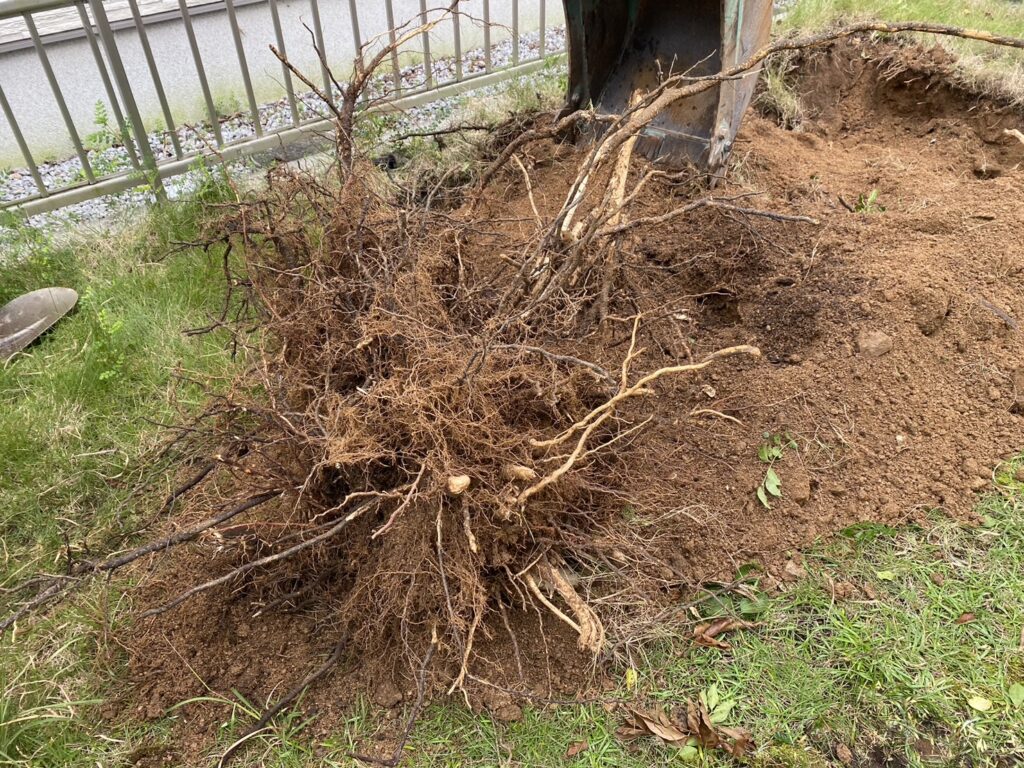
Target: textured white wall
37	114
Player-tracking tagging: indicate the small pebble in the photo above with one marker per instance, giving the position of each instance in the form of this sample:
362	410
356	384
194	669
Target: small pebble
874	343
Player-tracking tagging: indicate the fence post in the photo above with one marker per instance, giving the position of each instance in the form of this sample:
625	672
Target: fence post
128	98
22	145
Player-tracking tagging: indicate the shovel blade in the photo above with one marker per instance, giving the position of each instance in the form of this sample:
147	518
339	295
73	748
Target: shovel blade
27	317
620	47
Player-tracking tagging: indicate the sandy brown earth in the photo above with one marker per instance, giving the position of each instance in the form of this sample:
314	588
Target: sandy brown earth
892	371
895	355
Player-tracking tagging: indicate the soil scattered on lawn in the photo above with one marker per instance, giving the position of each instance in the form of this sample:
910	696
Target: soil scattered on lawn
891	379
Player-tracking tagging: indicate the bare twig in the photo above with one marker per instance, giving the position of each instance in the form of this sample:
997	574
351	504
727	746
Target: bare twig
284	702
421	690
258	563
600	372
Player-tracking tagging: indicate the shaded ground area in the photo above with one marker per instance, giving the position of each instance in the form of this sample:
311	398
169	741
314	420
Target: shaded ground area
890	383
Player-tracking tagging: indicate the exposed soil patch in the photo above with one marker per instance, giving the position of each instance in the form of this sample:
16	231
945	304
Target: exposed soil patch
892	357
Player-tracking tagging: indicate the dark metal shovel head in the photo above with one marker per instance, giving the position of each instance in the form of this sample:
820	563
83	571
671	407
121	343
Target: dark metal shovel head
621	47
27	317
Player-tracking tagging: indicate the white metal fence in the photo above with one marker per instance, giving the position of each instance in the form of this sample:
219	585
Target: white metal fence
136	71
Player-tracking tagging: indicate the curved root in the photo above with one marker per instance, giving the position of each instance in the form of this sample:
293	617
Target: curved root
587	624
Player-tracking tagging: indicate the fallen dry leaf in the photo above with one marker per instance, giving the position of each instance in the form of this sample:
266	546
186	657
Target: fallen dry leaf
794	569
638	723
844	754
660	724
699	722
576	748
965	618
741	741
707	634
734	741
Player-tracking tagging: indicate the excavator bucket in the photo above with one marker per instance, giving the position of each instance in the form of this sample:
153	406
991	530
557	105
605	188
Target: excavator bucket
619	47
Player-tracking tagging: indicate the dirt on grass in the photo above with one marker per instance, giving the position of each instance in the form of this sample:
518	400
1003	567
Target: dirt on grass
890	383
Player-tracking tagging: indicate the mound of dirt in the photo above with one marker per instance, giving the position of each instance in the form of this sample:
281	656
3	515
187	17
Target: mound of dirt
890	381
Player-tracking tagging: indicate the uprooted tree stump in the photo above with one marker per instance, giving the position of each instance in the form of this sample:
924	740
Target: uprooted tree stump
429	437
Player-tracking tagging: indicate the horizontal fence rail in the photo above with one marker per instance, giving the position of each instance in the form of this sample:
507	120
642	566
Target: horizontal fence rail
127	155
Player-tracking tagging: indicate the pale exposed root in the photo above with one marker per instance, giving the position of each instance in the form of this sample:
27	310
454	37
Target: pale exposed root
640	388
580	448
467	528
405	503
531	582
587	624
467	652
569	230
590	423
529	189
718	414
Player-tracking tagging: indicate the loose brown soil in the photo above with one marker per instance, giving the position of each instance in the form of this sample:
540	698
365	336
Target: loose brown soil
892	354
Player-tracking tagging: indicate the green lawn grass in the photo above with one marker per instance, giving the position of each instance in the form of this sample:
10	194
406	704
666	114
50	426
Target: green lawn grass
78	427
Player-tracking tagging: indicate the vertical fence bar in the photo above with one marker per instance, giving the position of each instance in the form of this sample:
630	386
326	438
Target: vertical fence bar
515	32
428	64
318	40
18	137
59	96
275	17
487	35
197	59
457	35
211	110
543	31
158	85
396	72
236	33
90	36
127	97
357	41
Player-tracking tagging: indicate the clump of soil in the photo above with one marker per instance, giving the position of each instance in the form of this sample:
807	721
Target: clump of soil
405	390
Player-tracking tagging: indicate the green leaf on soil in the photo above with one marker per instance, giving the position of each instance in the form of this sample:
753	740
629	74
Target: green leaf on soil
762	496
979	703
1016	694
772	484
688	754
710	697
721	713
753	607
